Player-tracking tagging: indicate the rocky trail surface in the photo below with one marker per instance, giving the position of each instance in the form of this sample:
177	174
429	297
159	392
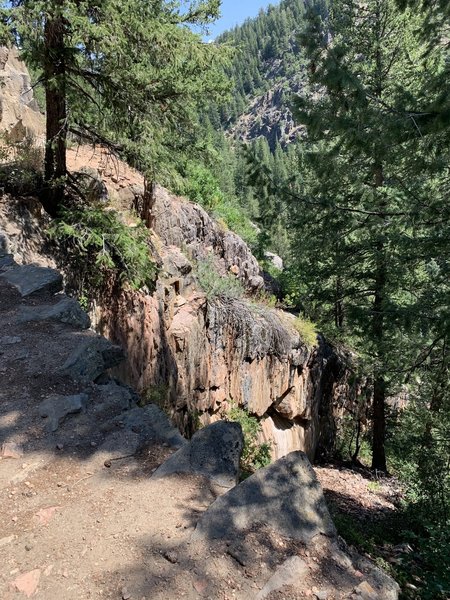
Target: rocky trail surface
102	498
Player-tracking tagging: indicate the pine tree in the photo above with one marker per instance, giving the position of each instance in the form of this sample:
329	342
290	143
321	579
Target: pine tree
364	181
123	72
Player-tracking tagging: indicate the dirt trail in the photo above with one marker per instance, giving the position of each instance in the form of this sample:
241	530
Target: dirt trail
71	527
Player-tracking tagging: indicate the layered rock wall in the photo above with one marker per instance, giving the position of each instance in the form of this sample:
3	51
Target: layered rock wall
19	112
206	355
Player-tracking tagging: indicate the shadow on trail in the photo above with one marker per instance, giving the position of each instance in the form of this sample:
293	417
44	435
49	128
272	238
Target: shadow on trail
107	419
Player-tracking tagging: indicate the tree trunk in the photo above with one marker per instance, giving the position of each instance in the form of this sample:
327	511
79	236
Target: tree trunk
379	386
379	424
338	305
57	126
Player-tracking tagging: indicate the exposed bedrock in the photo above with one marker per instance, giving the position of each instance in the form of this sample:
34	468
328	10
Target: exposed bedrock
204	355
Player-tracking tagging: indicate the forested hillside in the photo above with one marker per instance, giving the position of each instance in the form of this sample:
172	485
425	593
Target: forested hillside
267	68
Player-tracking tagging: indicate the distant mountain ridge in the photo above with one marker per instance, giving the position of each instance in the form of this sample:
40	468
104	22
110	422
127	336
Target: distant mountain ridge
267	69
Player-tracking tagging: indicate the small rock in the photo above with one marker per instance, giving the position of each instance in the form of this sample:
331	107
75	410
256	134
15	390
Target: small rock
200	585
28	582
57	408
322	594
293	569
366	591
45	514
10	450
171	556
7	540
411	586
60	446
125	594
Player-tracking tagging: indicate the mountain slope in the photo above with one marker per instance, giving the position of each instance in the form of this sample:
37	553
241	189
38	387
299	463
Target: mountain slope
267	69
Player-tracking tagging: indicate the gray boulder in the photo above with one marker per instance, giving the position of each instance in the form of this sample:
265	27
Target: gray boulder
114	398
66	310
152	425
91	185
213	452
31	279
6	261
56	408
92	358
285	495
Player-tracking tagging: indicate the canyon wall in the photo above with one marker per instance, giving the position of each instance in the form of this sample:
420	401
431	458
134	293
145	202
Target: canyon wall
200	356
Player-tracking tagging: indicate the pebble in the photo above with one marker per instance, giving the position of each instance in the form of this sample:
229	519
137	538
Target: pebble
60	446
10	450
172	557
125	594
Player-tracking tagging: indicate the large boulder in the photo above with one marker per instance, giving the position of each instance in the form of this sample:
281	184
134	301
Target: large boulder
92	358
31	279
66	311
152	425
286	495
213	452
276	524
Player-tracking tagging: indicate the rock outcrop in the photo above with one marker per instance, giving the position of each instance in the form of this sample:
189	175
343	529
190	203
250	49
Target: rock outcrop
208	354
185	225
19	112
270	115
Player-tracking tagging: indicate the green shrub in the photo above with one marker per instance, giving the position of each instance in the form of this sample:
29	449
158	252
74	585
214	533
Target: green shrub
307	331
254	455
157	394
202	187
215	285
21	169
97	246
235	219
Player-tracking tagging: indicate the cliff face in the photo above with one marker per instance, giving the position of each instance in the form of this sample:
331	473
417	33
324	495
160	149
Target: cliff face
270	116
204	355
19	111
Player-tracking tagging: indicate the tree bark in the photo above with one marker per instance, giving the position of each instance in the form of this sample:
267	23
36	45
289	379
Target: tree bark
379	386
338	305
56	122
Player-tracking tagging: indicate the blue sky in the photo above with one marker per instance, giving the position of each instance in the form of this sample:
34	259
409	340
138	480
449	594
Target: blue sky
235	12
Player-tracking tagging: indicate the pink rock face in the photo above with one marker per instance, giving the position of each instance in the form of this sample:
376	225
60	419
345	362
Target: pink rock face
210	354
27	583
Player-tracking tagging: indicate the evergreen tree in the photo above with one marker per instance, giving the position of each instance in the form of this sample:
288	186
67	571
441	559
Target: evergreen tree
366	182
124	72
